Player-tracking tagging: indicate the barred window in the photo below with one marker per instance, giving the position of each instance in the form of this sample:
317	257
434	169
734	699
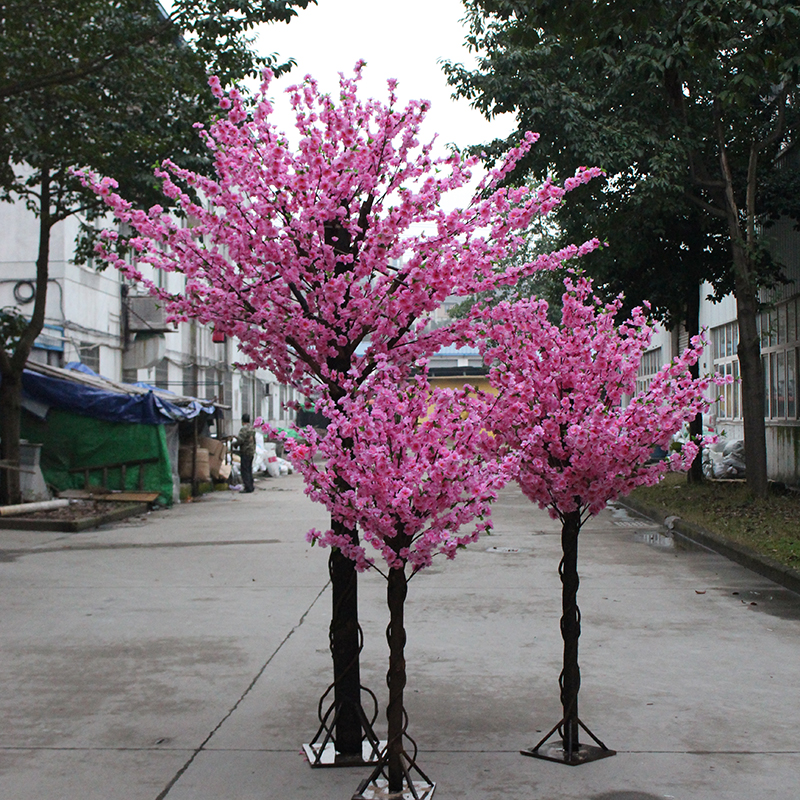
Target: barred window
90	355
190	380
725	343
162	373
780	346
247	395
650	364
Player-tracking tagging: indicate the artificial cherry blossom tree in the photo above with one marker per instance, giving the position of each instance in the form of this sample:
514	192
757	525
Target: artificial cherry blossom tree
567	406
417	467
324	256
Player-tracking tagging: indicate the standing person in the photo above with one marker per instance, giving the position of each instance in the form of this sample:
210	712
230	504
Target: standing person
246	441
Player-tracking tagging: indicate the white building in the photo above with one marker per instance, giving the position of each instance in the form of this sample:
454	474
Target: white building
780	349
100	319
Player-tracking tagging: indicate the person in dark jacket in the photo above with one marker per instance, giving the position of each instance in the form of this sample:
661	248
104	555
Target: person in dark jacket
246	442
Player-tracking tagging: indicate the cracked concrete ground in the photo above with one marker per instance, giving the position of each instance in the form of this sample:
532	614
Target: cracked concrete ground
181	656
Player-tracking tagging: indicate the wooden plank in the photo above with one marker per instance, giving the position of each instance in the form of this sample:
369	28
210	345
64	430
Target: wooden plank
114	497
128	497
76	494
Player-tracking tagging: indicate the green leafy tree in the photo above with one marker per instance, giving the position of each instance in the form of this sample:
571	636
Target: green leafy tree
49	43
115	85
685	103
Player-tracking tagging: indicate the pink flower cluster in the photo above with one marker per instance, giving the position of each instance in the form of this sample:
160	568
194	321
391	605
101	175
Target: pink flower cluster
567	405
406	465
307	253
324	261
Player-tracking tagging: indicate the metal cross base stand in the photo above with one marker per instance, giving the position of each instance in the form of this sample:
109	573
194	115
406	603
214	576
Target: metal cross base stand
556	751
322	752
327	755
379	790
376	786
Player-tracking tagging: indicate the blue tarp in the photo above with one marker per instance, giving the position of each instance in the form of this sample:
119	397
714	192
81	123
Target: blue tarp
111	404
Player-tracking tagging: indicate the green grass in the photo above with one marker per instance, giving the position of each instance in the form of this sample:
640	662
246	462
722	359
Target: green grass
770	527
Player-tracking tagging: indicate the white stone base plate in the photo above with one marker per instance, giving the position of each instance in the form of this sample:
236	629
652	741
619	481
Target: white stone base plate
330	758
379	790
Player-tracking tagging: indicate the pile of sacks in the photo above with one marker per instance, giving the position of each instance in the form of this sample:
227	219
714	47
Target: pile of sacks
267	460
724	459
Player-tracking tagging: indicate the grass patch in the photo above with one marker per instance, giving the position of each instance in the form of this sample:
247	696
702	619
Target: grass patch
770	527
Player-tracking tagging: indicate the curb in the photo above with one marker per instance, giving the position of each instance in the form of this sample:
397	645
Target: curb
741	554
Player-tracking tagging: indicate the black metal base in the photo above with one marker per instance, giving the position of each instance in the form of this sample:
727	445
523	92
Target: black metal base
376	786
572	756
555	751
322	752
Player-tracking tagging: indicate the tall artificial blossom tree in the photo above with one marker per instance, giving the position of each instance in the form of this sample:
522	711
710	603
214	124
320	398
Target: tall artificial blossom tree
417	461
324	259
568	410
685	104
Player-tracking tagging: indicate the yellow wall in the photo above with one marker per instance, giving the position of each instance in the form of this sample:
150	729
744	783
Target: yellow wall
457	381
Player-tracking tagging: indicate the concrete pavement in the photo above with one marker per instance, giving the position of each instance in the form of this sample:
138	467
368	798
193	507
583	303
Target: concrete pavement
181	655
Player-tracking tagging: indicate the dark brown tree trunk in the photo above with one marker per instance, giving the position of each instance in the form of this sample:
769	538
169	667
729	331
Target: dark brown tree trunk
345	649
570	630
396	591
695	473
10	409
12	364
749	352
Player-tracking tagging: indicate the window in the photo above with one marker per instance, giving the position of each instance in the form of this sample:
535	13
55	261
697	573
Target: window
650	364
211	384
247	395
227	388
190	380
90	355
780	343
261	393
725	343
162	374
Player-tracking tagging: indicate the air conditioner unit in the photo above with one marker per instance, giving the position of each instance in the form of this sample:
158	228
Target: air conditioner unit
145	314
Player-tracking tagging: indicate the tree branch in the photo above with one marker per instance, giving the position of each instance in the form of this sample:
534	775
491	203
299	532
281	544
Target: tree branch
83	69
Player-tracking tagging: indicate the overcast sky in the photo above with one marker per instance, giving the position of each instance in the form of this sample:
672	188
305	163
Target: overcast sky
397	40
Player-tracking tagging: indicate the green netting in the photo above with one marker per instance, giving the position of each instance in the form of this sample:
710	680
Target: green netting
70	440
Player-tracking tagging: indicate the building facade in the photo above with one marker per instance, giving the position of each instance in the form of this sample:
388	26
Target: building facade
97	317
779	326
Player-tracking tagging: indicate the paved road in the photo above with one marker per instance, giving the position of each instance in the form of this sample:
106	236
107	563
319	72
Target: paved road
180	656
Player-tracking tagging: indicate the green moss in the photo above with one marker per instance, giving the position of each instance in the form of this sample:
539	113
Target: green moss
202	488
770	527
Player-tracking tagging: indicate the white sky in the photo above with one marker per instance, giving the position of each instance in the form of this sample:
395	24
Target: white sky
397	40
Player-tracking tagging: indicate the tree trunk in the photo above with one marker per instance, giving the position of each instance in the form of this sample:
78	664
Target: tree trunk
695	473
396	591
753	398
749	352
10	409
345	648
570	630
12	365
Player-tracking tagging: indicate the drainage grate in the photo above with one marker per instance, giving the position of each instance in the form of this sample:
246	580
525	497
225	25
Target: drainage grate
634	523
510	550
